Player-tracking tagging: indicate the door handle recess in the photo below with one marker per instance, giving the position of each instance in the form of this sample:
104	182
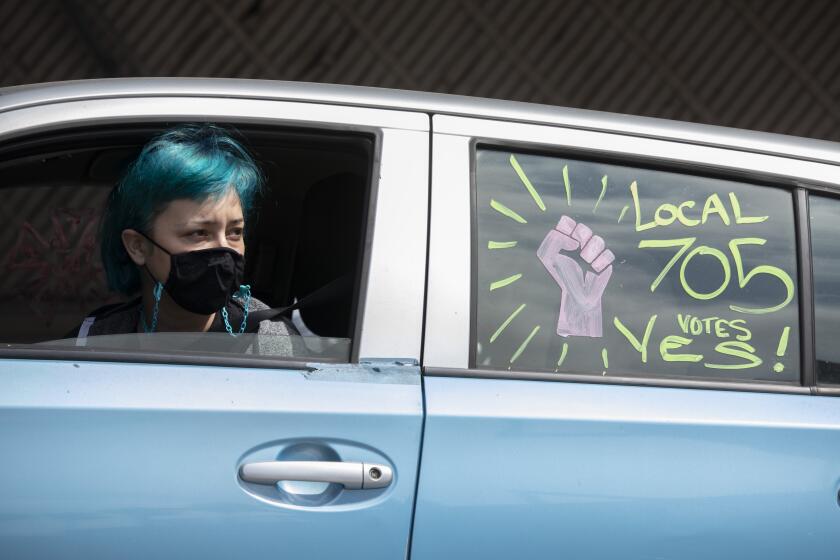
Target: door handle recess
352	476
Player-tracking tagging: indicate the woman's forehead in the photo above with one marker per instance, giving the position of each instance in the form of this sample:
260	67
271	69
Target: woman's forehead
224	210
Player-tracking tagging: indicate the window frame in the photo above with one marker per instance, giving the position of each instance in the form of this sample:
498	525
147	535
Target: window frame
52	120
799	188
831	193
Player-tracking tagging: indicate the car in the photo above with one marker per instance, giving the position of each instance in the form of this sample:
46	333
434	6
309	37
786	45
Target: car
560	333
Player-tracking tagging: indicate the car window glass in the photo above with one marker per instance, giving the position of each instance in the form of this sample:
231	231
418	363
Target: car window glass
825	249
586	267
313	204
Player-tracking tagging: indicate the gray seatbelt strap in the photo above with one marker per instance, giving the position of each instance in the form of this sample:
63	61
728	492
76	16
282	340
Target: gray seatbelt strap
323	294
81	338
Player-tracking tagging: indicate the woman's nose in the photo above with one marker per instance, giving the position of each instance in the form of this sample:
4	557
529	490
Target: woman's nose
221	240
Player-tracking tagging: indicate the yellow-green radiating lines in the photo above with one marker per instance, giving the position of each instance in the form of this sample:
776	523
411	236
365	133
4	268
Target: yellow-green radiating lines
563	354
623	211
501	244
603	190
527	182
504	282
505	211
506	322
567	184
524	344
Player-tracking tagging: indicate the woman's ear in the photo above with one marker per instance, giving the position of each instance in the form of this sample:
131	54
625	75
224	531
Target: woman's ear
136	246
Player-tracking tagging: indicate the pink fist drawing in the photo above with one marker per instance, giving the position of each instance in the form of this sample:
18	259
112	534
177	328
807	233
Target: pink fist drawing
580	295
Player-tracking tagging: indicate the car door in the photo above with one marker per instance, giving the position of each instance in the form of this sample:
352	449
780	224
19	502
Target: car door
618	354
122	453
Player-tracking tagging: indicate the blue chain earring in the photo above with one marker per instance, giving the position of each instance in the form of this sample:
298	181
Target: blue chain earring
157	292
244	293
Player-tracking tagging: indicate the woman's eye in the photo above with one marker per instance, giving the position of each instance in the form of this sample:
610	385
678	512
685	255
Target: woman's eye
198	234
235	233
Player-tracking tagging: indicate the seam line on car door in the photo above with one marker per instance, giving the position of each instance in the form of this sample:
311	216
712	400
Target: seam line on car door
419	465
423	342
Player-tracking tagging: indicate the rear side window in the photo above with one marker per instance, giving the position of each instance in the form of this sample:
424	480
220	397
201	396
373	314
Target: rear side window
825	250
585	267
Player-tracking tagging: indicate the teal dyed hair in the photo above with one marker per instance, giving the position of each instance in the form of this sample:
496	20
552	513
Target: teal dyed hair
193	162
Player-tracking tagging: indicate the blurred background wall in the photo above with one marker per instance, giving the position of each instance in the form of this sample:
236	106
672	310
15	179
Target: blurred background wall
760	64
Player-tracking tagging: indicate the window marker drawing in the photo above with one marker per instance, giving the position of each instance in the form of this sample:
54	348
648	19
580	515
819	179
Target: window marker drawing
567	185
621	215
524	344
743	278
640	346
779	367
562	355
501	244
527	182
506	322
692	266
601	196
505	211
504	282
580	294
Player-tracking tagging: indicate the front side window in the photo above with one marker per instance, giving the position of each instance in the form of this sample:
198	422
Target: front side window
183	239
595	268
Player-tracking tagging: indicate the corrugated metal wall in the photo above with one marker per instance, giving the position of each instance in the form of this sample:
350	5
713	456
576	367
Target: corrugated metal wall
761	64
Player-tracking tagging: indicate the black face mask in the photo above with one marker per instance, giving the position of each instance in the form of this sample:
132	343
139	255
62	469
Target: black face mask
203	281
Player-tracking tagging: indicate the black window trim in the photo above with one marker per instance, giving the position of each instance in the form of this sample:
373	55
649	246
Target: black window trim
807	339
824	192
794	185
85	354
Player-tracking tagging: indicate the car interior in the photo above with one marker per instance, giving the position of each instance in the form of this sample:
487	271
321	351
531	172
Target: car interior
307	230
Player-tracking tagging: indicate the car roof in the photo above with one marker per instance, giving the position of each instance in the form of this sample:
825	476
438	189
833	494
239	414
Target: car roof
432	103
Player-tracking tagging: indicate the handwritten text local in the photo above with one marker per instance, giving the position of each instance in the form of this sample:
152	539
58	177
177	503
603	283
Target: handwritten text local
666	214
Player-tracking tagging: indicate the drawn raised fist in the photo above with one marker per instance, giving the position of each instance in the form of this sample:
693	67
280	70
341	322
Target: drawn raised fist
580	294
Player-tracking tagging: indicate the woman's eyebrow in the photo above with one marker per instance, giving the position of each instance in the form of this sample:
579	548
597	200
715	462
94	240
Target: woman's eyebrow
211	222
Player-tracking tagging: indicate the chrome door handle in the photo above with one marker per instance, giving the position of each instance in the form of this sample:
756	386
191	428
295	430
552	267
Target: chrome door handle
352	476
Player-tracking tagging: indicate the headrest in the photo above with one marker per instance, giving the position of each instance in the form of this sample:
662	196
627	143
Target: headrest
329	247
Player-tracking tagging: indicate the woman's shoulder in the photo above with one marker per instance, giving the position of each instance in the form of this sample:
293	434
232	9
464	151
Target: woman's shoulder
115	318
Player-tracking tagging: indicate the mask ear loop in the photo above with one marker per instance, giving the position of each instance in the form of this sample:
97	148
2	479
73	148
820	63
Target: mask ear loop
244	293
157	292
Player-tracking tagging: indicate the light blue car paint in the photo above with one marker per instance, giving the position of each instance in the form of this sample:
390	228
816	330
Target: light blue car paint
104	460
529	469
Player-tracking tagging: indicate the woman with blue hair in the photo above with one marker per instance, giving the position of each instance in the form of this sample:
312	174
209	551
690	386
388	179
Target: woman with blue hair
173	231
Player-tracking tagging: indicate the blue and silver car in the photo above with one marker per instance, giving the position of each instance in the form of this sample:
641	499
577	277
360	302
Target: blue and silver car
562	333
